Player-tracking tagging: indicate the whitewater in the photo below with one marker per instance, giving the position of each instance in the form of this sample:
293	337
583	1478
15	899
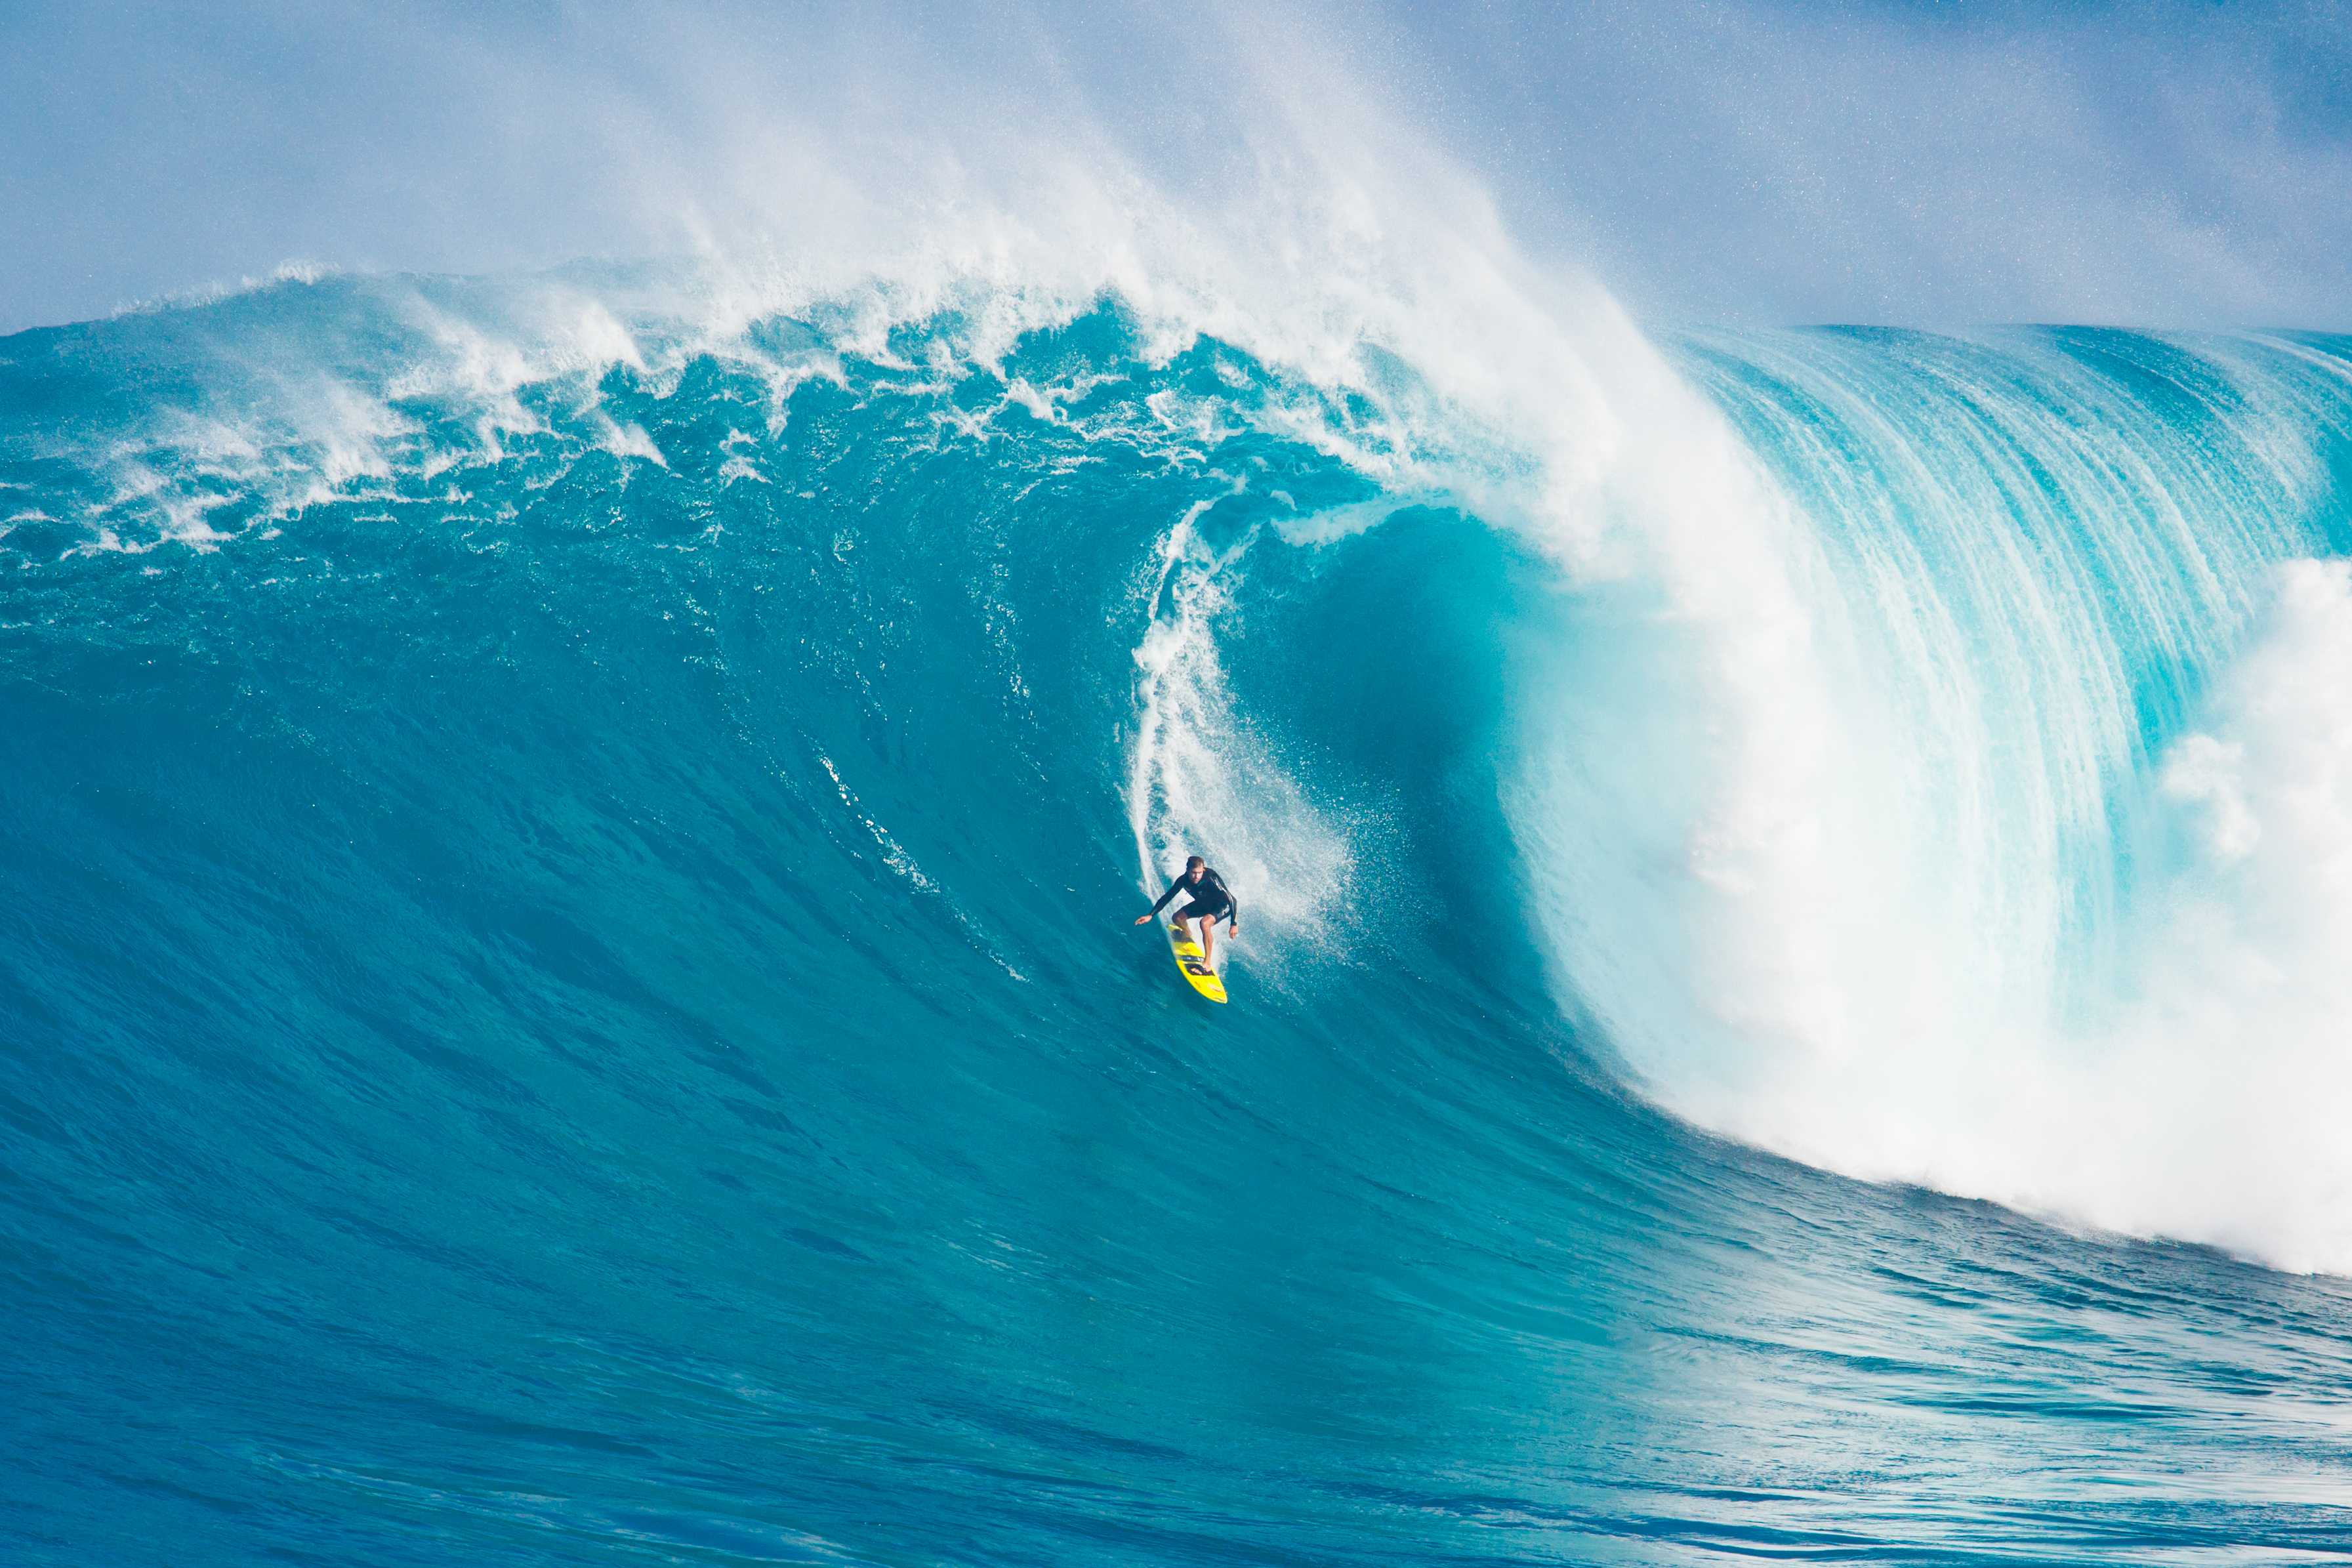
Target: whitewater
566	985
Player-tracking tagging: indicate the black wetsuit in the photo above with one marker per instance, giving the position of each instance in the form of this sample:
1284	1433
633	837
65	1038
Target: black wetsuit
1210	897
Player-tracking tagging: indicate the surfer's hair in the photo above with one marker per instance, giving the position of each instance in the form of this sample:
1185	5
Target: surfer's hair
1192	861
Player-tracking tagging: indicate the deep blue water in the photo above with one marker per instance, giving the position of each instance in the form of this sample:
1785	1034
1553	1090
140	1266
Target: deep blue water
566	991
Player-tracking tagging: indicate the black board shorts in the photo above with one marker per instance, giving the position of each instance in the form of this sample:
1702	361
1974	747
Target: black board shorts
1196	908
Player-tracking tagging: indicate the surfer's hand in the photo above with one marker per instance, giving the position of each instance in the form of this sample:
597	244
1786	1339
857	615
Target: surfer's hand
1140	918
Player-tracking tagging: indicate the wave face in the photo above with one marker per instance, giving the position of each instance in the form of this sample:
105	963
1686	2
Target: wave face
567	990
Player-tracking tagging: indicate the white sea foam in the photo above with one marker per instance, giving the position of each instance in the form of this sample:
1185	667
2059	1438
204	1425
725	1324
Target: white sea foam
2227	1082
2200	1091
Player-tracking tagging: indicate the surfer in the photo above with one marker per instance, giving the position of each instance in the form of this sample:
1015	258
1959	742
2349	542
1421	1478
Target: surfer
1211	898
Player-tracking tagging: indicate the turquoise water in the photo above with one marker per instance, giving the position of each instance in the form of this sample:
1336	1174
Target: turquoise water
567	991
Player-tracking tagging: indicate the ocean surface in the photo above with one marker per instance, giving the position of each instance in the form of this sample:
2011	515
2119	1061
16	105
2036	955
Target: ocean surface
567	992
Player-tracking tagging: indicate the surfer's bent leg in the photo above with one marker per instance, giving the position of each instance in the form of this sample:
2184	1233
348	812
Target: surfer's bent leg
1186	915
1209	934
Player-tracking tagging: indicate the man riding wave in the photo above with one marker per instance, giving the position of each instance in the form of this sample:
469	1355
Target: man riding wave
1211	898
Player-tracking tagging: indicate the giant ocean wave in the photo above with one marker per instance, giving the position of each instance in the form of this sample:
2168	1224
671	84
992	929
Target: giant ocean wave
568	996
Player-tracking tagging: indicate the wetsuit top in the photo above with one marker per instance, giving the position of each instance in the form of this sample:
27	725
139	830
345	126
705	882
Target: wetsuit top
1210	897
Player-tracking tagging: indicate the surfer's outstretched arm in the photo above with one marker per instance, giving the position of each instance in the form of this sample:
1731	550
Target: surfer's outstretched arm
1162	902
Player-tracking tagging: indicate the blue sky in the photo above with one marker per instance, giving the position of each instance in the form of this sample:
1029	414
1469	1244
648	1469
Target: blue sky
2155	163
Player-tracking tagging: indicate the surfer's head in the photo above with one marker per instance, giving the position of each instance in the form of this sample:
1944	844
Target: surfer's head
1193	866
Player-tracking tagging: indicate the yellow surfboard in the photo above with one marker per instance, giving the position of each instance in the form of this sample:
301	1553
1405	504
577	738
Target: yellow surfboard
1205	980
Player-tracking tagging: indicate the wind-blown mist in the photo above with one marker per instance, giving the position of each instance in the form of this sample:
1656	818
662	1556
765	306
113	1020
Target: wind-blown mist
2149	165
